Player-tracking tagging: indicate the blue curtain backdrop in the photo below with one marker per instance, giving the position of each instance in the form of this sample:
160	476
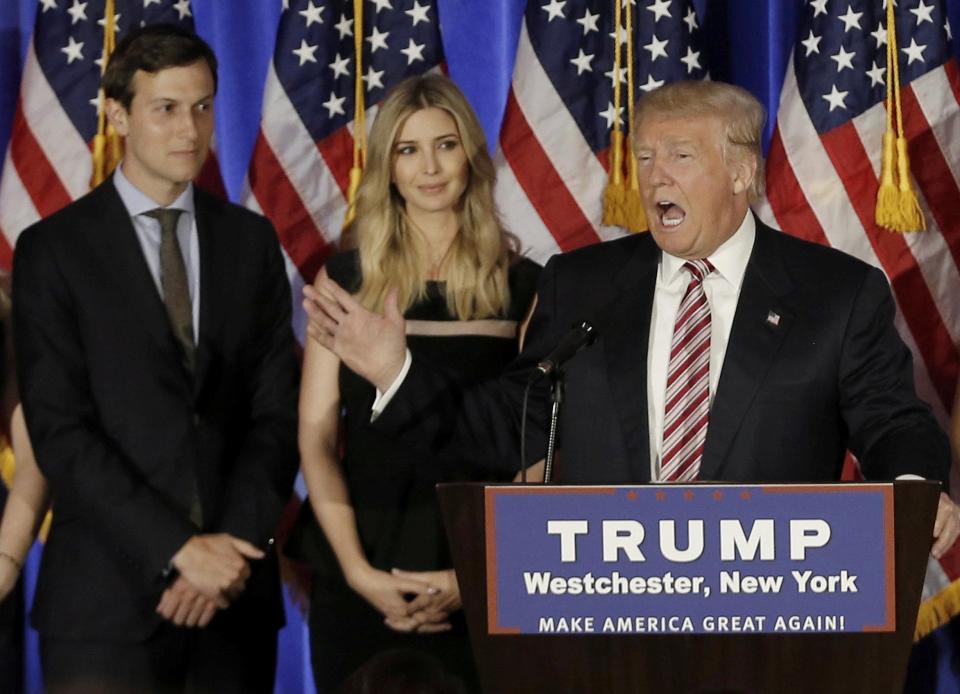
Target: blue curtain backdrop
750	41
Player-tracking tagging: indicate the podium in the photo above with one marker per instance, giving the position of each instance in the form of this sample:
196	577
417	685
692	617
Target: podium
729	662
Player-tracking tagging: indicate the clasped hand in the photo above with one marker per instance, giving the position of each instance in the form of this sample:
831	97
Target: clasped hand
410	601
213	573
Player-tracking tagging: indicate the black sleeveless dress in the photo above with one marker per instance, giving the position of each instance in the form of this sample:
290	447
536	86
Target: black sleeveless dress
391	486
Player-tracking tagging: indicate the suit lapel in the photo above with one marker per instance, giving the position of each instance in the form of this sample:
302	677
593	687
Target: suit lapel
760	324
211	299
624	328
122	255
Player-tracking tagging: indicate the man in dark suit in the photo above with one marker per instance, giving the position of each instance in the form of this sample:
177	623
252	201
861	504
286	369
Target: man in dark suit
157	370
726	350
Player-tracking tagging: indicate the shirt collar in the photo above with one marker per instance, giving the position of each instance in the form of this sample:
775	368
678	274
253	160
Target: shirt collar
729	260
137	202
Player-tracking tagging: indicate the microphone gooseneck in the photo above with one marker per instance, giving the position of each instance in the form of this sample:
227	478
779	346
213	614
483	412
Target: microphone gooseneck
579	337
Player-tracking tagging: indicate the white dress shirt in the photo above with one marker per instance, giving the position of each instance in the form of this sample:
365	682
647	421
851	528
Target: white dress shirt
148	234
722	288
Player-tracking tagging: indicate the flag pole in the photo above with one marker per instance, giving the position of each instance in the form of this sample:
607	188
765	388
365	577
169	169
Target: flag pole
106	143
634	218
614	195
359	118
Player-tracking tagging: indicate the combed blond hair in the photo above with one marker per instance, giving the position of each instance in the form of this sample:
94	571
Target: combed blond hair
743	117
391	248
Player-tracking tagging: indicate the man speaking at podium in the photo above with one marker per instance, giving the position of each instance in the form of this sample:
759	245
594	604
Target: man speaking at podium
726	350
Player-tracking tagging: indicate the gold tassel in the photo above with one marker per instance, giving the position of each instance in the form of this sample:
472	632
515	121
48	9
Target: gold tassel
7	462
888	197
911	216
634	217
107	146
359	118
937	611
898	208
613	203
615	193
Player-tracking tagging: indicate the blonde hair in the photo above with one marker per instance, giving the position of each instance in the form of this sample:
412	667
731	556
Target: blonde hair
742	114
391	249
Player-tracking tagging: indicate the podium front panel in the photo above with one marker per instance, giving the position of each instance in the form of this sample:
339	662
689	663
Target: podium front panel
872	660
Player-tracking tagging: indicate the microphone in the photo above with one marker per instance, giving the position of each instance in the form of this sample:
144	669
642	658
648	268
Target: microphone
579	337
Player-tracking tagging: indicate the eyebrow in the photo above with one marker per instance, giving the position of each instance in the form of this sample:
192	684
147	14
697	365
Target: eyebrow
170	99
438	137
683	142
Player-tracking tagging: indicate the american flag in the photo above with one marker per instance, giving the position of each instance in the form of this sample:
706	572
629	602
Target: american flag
300	169
49	162
552	158
824	163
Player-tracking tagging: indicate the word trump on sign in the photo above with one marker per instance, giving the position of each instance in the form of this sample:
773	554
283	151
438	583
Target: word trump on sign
622	539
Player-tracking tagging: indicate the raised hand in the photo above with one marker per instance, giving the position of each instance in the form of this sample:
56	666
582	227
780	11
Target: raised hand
372	345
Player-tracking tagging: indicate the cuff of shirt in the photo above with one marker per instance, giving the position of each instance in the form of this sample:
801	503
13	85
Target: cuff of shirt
169	573
383	399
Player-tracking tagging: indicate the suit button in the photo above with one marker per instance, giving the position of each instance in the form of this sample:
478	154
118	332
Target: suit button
270	542
196	420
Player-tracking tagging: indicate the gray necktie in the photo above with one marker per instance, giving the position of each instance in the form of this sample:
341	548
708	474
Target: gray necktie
173	281
176	299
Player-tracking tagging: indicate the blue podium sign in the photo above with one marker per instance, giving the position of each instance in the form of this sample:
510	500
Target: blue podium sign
690	559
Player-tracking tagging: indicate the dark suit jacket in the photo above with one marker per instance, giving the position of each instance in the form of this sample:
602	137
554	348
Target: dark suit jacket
795	392
119	425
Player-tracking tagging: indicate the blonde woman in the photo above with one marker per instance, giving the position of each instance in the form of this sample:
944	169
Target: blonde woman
427	237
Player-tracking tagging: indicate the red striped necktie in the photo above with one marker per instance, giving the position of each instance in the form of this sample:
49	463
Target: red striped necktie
687	402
